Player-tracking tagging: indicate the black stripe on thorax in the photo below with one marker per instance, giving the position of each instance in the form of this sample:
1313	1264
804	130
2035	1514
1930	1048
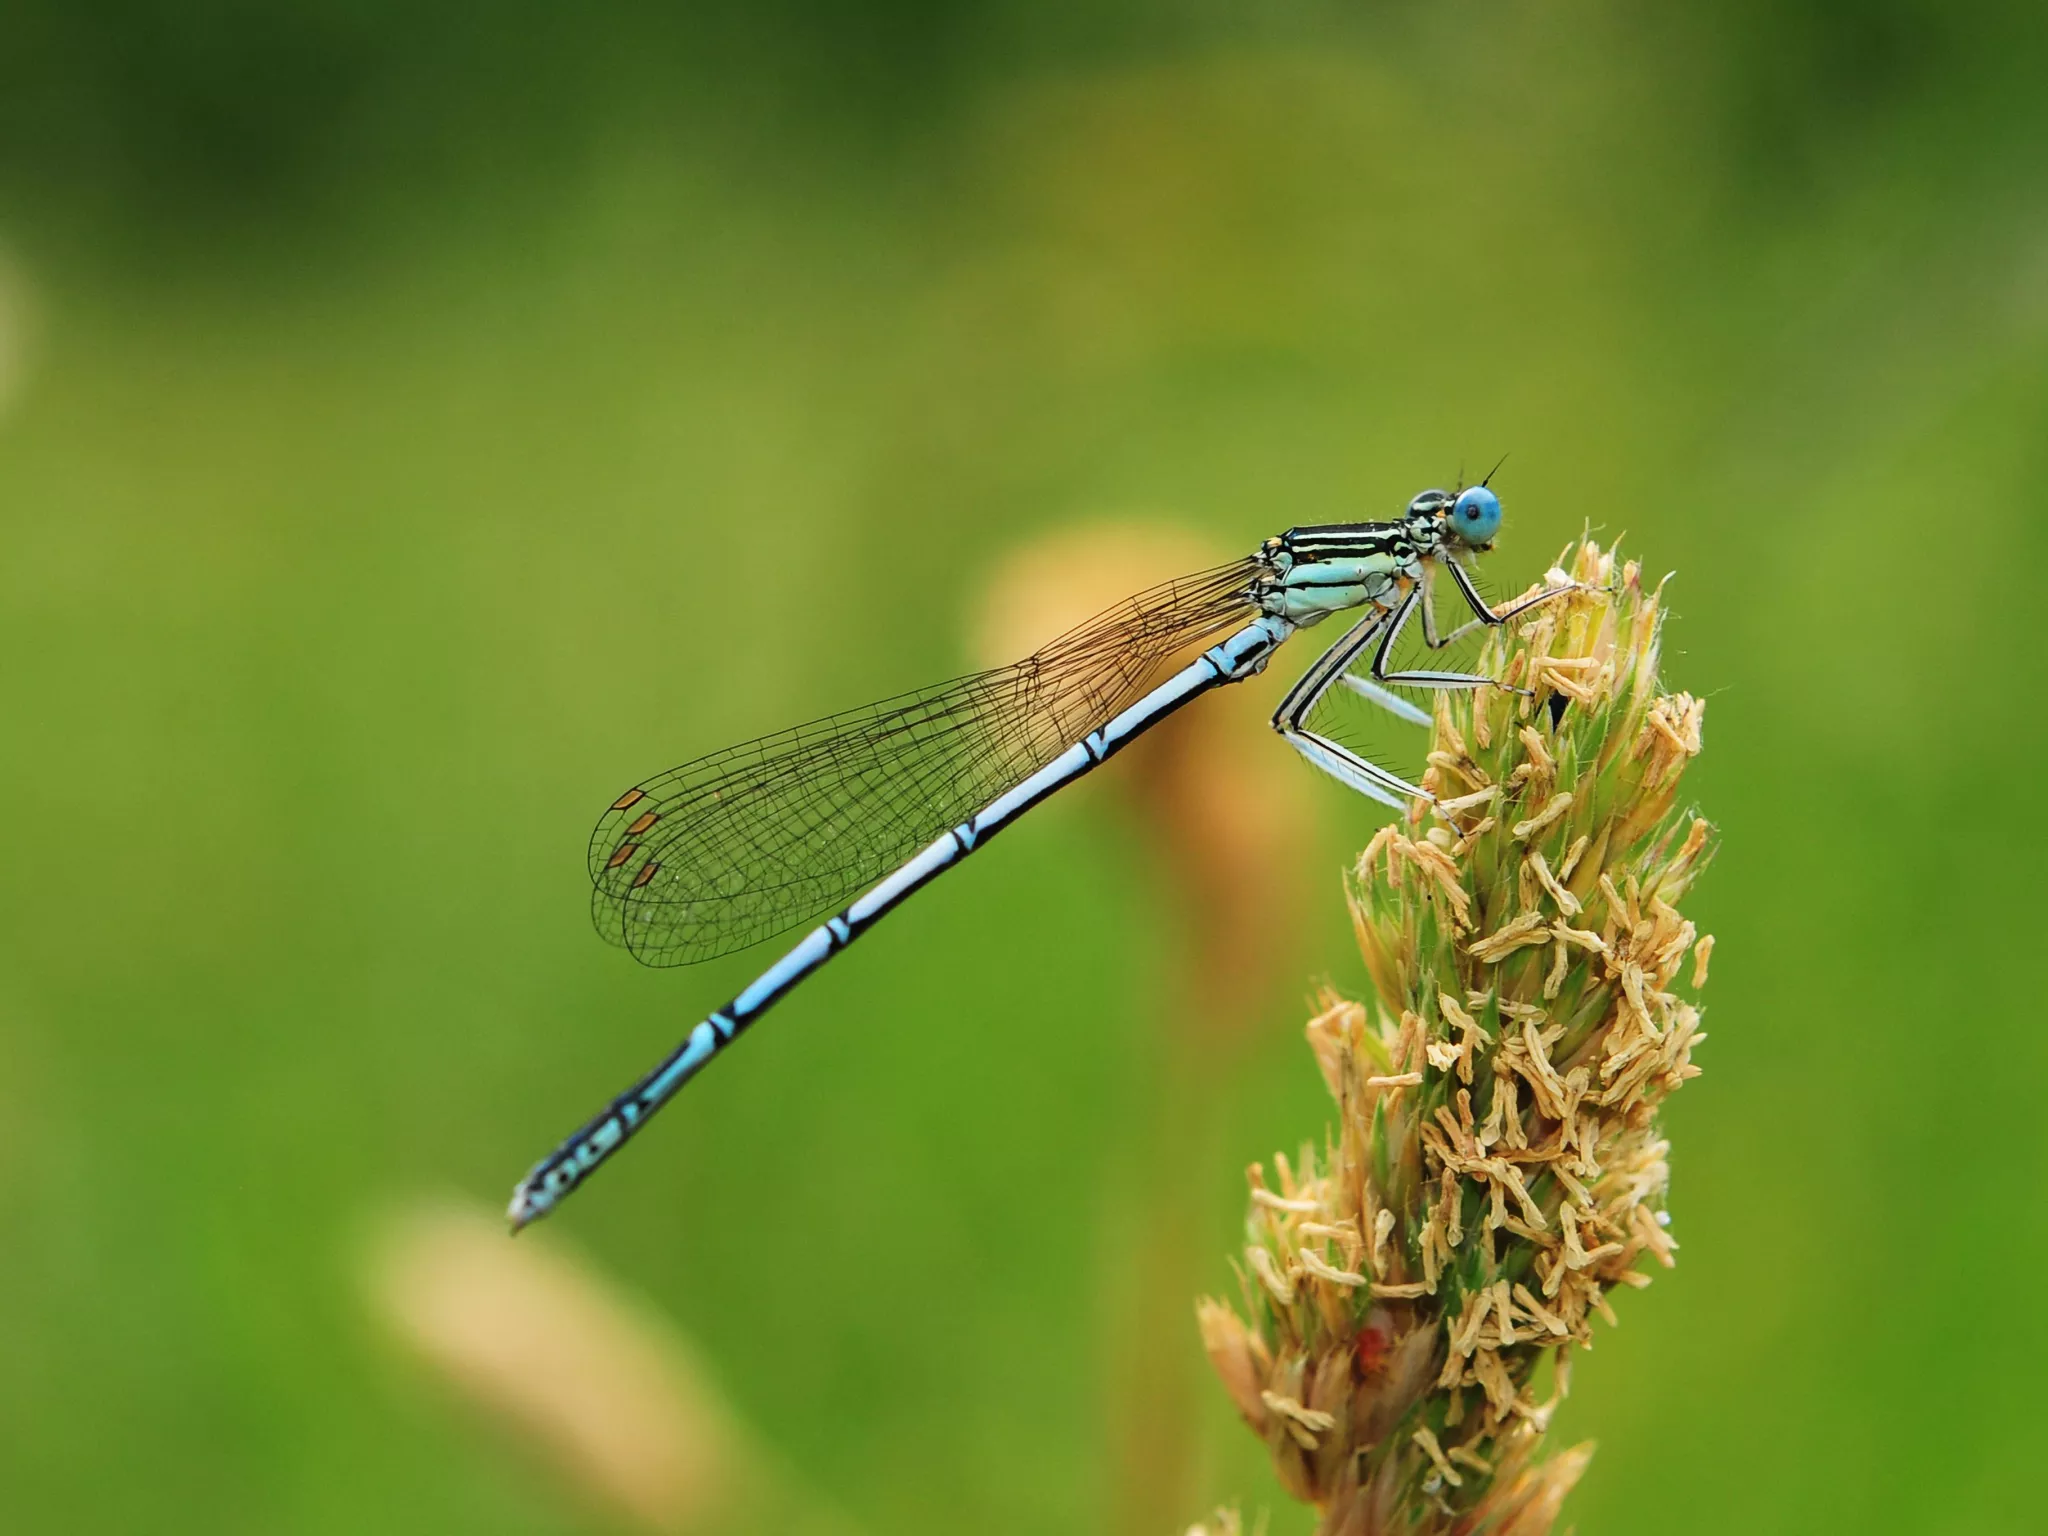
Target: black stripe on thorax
1345	541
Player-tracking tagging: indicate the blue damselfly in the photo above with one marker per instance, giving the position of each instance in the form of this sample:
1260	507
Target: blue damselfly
745	843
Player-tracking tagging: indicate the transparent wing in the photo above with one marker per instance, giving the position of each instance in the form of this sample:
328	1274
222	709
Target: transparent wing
740	845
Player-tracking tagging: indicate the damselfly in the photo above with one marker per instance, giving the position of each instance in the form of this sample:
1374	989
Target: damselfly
735	847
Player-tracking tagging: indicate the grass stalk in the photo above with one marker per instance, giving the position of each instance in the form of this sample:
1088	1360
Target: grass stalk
1414	1290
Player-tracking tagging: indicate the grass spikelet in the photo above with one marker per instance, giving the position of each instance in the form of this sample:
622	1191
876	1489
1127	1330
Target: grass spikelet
1412	1294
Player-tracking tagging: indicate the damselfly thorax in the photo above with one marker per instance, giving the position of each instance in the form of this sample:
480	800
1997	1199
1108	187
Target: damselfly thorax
852	813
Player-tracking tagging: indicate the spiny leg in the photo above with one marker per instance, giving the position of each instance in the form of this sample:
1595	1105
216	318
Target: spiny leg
1335	664
1391	702
1328	667
1340	762
1483	616
1423	596
1355	772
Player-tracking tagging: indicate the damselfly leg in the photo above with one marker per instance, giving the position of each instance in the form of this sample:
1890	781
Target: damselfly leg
1484	616
1386	626
1337	760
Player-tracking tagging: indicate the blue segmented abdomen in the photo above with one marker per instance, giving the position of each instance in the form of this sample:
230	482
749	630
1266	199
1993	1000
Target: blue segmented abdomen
584	1152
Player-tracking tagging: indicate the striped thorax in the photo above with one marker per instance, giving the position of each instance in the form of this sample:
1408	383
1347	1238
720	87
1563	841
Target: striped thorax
1328	568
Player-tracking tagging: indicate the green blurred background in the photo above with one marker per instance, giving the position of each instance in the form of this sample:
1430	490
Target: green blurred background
392	398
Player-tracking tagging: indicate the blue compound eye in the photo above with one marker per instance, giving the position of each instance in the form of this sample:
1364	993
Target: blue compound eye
1476	515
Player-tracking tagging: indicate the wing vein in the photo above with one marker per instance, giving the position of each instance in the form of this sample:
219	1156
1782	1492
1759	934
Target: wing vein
749	841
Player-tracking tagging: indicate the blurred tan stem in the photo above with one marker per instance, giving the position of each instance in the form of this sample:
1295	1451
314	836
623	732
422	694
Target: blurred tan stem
1218	810
606	1390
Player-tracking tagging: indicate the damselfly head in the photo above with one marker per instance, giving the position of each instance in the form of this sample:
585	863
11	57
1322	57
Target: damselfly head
1475	517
